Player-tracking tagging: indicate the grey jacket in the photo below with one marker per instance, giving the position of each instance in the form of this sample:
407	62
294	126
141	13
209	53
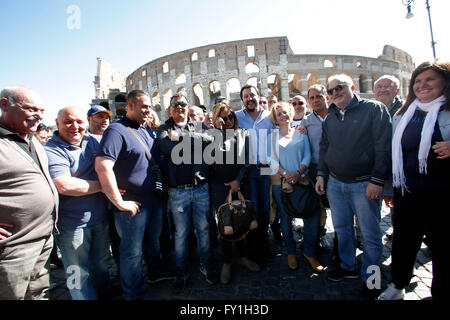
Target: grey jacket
28	197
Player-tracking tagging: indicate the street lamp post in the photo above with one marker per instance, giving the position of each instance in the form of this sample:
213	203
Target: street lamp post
410	15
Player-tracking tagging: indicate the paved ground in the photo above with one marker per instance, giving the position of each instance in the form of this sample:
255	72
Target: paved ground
276	281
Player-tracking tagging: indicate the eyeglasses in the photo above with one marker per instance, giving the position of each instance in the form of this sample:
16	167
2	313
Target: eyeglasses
338	88
179	104
30	109
379	86
230	117
300	103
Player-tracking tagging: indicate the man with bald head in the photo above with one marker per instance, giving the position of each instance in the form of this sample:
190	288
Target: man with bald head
83	239
28	199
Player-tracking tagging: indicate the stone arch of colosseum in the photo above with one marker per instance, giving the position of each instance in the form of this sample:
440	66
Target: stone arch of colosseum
206	72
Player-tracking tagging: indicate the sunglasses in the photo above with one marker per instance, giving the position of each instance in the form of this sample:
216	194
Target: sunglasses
230	117
300	103
338	88
179	103
263	102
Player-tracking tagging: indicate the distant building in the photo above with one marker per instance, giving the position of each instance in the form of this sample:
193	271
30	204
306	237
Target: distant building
206	72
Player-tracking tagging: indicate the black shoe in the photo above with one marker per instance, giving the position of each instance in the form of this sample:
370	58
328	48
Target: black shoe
210	273
369	294
275	228
161	276
339	274
180	281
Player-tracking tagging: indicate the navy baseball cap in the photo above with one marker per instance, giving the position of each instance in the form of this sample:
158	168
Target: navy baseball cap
97	109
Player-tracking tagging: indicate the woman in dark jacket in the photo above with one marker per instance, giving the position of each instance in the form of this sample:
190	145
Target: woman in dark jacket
421	171
230	175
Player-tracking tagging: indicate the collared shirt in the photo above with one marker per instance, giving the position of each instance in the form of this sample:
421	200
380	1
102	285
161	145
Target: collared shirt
313	125
76	161
259	130
352	102
25	145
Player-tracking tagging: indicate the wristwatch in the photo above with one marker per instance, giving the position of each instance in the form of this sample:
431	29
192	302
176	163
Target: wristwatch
284	173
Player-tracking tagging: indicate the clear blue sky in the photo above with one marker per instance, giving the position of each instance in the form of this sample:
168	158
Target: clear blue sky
40	52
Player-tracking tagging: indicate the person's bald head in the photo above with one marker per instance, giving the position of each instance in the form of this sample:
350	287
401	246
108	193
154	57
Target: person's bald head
71	124
22	110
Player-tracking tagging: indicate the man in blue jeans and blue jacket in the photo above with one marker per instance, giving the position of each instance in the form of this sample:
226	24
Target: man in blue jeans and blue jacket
355	155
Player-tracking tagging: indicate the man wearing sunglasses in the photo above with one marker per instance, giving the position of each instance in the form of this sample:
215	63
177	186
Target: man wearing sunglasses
299	104
355	156
263	102
187	180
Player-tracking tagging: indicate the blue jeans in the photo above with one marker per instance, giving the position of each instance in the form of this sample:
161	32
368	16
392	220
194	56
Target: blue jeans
260	196
85	254
139	235
347	200
190	206
310	228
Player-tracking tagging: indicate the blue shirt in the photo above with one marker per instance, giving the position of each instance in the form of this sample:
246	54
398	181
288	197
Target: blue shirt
292	152
76	161
131	167
313	125
259	130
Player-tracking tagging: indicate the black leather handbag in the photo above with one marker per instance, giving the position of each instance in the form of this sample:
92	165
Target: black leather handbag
236	218
302	201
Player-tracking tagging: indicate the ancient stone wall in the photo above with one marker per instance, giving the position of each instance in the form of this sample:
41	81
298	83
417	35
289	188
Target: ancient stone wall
207	72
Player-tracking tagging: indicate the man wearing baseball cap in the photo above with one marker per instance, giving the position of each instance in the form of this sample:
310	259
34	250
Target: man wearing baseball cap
98	118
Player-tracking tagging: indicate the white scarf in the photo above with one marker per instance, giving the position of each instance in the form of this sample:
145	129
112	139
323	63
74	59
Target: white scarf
432	109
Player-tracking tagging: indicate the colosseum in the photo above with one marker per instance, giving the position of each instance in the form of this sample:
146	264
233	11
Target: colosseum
206	72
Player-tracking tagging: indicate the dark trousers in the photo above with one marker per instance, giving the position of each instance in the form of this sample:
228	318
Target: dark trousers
257	239
416	214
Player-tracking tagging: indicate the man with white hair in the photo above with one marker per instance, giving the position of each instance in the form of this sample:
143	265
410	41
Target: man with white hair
28	199
196	113
386	89
355	156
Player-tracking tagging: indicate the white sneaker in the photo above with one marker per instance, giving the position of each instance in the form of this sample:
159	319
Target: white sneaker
392	293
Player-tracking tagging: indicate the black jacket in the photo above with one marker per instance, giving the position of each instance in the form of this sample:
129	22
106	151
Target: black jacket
356	146
192	171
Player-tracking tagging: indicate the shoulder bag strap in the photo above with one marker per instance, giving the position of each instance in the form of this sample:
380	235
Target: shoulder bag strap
147	152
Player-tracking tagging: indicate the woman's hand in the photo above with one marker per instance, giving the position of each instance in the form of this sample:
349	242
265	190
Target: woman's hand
442	149
292	177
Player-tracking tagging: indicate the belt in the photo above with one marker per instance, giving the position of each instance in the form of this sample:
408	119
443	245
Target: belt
259	166
186	186
189	186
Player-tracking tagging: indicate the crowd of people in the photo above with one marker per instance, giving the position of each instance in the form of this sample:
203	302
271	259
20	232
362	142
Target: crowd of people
90	186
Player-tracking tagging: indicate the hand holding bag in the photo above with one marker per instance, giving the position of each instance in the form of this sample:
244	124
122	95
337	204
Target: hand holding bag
302	201
236	218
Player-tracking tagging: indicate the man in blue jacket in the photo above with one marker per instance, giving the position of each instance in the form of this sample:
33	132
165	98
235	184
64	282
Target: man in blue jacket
122	164
355	156
83	229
